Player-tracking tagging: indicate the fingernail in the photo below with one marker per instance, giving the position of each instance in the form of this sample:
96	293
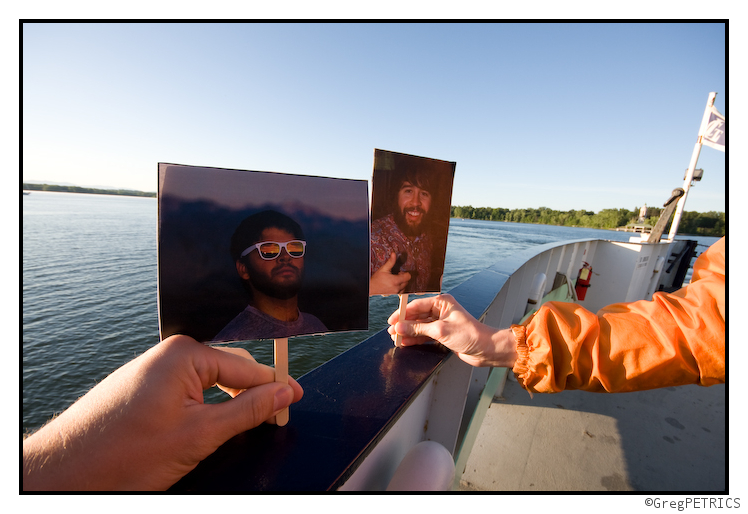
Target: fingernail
283	398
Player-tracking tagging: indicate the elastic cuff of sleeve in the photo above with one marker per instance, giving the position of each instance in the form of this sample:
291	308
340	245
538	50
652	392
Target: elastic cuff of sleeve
520	368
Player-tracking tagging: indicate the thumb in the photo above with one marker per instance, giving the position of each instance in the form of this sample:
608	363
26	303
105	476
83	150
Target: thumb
416	329
387	266
250	408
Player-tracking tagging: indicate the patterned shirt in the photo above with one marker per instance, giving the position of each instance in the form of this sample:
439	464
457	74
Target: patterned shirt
386	237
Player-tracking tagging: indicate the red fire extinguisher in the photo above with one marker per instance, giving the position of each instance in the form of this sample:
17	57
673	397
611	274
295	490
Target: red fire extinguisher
583	281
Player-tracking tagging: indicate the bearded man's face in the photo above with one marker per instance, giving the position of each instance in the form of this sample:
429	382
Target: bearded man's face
413	205
278	278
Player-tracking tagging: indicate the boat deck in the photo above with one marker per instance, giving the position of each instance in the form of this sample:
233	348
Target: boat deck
661	440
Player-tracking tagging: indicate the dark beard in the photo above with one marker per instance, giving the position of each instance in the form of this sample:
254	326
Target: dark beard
266	286
407	229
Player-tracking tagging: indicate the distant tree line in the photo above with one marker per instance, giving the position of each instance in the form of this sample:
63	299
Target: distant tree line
76	189
697	223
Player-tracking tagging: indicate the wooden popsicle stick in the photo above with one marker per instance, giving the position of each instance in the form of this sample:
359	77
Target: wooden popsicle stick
401	316
281	373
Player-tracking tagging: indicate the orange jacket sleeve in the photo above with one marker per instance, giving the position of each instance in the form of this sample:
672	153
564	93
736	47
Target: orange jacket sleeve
674	339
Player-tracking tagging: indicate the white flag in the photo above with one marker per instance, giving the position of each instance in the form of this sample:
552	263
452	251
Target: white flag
714	134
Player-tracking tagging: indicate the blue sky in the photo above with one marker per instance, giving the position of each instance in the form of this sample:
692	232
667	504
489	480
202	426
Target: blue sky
566	116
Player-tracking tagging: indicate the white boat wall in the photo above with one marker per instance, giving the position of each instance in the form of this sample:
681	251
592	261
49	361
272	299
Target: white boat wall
366	409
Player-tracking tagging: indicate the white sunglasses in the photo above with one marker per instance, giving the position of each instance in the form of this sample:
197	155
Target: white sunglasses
270	250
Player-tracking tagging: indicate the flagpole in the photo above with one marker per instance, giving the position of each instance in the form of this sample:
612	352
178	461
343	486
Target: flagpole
691	167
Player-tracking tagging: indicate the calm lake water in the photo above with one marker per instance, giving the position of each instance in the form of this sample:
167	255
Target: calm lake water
89	291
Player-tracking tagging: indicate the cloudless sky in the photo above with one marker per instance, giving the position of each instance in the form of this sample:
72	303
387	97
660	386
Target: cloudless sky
566	116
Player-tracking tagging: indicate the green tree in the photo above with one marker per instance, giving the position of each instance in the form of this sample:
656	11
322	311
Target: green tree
709	223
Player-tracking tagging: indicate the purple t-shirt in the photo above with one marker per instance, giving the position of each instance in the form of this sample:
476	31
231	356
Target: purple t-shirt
252	323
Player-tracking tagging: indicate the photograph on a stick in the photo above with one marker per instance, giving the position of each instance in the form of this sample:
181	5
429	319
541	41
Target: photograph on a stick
411	200
249	255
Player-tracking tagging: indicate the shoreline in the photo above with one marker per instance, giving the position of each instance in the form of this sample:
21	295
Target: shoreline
618	229
51	188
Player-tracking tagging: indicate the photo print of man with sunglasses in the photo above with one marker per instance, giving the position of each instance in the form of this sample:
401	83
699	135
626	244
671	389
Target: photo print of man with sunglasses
268	248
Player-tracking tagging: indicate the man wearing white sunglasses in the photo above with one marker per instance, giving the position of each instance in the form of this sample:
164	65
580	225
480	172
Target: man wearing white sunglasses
268	248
